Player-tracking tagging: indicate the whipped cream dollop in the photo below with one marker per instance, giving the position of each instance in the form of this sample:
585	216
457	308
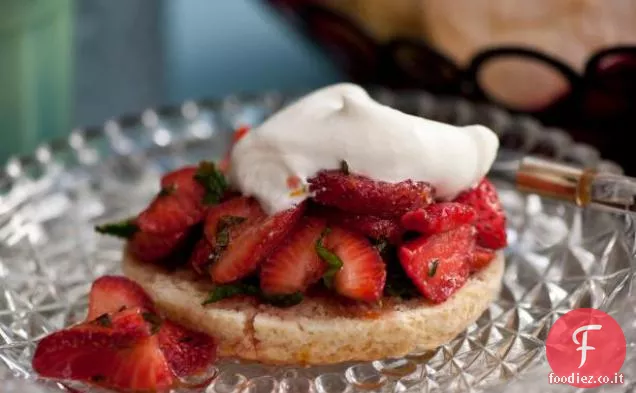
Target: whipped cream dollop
342	122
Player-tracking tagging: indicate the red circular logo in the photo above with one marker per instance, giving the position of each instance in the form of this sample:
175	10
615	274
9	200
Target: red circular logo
586	348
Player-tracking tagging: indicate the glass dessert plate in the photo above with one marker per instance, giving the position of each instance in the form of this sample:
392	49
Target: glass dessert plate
560	257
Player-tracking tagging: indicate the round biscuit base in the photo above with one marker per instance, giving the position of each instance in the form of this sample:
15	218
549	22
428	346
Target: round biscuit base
315	331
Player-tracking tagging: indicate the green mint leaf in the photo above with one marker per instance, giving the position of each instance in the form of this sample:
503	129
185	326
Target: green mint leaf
212	180
284	300
124	229
225	291
104	320
223	231
432	267
154	320
333	261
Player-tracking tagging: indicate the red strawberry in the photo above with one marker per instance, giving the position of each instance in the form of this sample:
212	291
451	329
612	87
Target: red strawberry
149	247
481	258
109	294
357	194
439	217
110	353
178	206
187	352
241	254
363	273
491	220
295	264
371	226
439	264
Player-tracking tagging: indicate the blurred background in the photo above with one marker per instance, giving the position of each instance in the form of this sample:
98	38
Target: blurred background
71	63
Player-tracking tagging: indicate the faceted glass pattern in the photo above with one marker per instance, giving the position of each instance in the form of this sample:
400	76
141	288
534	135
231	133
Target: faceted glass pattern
560	257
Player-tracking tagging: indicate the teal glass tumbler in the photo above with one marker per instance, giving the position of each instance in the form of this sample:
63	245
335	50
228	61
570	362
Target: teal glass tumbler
35	73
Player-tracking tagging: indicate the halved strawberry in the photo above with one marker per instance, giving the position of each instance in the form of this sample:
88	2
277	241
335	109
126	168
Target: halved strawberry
481	258
439	264
242	254
178	205
363	273
357	194
491	220
107	352
187	352
438	217
295	264
150	247
110	294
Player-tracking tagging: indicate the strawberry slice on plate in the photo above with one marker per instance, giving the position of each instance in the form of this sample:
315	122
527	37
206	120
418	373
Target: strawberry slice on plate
109	353
438	217
491	220
110	294
187	352
295	264
363	272
439	264
241	255
357	194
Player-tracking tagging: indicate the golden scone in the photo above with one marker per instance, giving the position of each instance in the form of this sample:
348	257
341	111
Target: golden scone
318	330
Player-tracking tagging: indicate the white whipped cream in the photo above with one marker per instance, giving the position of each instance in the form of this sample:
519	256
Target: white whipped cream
342	122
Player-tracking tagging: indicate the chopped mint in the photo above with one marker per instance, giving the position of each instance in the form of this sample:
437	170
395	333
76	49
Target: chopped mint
344	167
104	320
283	300
154	320
124	229
333	261
432	267
168	190
225	291
212	180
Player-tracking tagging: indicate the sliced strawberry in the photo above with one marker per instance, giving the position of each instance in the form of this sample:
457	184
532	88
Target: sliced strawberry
363	273
438	217
107	352
295	264
187	352
371	226
439	264
109	294
241	207
481	258
491	219
178	205
149	247
242	254
357	194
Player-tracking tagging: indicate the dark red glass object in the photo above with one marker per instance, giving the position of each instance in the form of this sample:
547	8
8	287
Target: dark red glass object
596	107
